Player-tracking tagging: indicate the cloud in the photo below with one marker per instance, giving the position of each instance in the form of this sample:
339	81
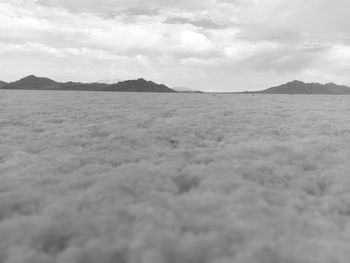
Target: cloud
113	5
286	37
204	23
292	20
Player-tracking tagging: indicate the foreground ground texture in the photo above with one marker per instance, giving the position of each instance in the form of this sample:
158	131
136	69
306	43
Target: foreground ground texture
173	178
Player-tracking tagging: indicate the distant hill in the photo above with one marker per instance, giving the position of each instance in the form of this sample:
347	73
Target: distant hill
2	83
37	83
299	87
33	82
78	86
139	85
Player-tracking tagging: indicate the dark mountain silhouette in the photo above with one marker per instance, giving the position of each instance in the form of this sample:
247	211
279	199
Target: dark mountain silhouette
83	86
35	83
139	85
2	83
299	87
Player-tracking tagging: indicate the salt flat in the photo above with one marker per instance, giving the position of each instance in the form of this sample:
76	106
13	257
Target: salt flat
174	178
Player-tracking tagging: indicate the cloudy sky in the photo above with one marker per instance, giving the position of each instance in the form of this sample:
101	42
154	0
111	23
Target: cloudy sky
212	45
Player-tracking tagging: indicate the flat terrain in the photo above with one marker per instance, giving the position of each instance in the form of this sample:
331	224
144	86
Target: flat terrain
173	178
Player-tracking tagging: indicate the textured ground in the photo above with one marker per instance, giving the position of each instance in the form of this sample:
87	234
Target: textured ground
173	178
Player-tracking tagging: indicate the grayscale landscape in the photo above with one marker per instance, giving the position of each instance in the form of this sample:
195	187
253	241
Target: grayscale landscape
188	178
174	131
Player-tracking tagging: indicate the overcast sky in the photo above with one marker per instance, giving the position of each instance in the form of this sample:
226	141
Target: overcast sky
212	45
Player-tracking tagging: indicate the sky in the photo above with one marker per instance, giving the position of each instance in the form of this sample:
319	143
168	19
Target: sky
210	45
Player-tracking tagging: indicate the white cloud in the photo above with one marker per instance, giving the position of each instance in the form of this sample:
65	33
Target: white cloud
287	37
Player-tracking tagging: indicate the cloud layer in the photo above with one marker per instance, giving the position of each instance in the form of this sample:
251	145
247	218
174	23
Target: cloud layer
210	45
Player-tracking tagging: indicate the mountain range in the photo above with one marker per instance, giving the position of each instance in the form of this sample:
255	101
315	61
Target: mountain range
2	83
38	83
141	85
299	87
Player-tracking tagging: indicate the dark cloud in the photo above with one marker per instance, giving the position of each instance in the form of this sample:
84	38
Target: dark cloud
203	23
288	59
